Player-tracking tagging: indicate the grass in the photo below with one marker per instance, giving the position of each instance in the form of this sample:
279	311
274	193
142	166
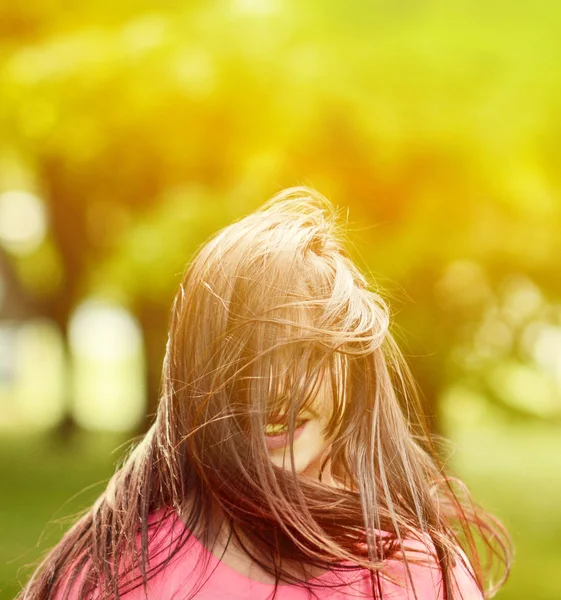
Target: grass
514	471
45	481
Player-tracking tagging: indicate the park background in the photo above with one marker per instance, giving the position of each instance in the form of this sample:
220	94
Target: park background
130	131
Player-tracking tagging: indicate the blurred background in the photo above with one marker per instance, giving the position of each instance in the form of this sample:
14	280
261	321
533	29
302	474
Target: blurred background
131	131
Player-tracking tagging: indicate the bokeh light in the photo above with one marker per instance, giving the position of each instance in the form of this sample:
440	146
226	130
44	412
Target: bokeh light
132	132
23	221
32	376
107	359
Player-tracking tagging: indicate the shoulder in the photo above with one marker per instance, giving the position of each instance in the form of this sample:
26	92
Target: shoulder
164	531
420	573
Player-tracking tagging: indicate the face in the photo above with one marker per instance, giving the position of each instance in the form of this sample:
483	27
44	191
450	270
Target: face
309	441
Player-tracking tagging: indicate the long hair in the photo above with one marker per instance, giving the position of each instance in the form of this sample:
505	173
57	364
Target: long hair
271	312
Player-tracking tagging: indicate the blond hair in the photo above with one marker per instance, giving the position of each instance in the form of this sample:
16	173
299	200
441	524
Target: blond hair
269	310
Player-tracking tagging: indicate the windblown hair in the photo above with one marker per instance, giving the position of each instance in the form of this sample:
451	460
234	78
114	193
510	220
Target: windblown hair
270	310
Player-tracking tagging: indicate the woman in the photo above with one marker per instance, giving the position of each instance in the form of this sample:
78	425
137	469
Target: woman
288	456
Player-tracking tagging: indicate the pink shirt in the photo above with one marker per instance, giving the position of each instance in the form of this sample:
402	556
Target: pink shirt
177	580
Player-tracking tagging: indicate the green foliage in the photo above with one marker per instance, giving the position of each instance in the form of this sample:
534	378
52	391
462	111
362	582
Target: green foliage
436	123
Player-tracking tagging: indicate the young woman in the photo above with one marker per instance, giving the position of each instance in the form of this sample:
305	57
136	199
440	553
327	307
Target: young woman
288	458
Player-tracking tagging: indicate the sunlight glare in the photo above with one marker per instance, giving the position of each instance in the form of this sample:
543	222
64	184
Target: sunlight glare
23	221
108	363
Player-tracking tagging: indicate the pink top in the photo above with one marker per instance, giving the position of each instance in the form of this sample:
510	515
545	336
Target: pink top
177	580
